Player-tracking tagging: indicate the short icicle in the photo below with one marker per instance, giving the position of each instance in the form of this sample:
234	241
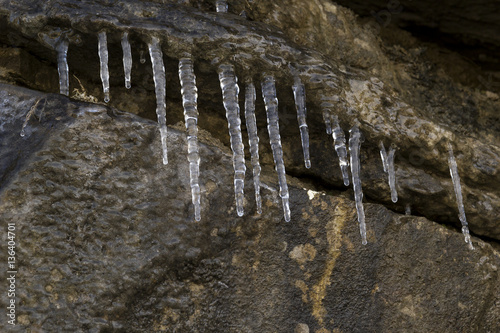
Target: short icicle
127	59
230	91
253	140
221	6
271	103
160	90
103	56
189	102
383	156
452	163
62	66
340	147
354	146
326	119
299	94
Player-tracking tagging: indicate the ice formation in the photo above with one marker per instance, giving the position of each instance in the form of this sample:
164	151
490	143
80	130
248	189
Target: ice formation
142	58
326	119
354	145
103	57
299	94
221	6
253	140
189	102
230	91
452	163
271	103
62	66
383	155
127	59
388	164
160	90
339	143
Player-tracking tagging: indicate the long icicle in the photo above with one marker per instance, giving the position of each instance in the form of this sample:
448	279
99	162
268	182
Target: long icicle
299	94
62	66
230	91
103	56
189	102
339	143
392	173
354	145
160	90
253	140
452	163
127	59
271	103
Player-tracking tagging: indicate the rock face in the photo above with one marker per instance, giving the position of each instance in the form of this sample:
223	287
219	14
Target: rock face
106	238
106	241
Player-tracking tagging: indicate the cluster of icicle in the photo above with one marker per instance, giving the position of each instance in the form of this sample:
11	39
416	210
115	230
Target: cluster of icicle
230	91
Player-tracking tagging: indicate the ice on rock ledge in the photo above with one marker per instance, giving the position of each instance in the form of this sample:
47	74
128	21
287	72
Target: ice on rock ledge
271	103
452	163
160	91
230	90
189	102
354	146
253	140
103	57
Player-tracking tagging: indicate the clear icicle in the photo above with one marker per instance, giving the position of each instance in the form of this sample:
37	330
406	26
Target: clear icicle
103	56
383	156
458	194
253	140
299	94
354	145
62	66
339	143
230	91
271	103
160	90
392	173
189	102
326	119
221	6
127	59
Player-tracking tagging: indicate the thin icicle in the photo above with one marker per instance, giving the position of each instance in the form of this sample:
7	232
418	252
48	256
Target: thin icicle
230	91
326	119
103	56
160	90
383	156
142	58
299	94
127	59
354	145
253	140
189	102
339	143
271	103
221	6
458	194
392	173
62	66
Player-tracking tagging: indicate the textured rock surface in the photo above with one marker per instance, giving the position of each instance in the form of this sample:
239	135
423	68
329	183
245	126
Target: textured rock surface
107	242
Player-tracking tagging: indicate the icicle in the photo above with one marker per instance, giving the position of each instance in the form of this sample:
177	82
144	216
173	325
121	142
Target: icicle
458	194
253	140
408	209
299	94
383	156
221	6
230	91
339	142
354	145
189	102
103	56
142	58
62	66
160	90
392	173
326	119
271	103
127	59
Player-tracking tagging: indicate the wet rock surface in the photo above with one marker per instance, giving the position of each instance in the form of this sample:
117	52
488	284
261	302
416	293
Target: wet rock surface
107	241
103	222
